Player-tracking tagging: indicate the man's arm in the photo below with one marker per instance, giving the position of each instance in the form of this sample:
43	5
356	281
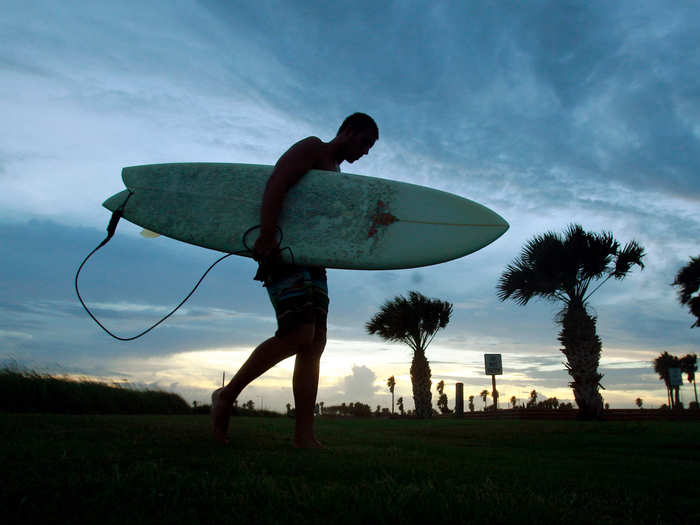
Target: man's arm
290	168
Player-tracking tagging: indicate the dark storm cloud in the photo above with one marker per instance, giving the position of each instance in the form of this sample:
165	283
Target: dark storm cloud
603	90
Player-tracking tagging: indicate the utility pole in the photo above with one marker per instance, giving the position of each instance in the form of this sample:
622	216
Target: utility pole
459	399
494	392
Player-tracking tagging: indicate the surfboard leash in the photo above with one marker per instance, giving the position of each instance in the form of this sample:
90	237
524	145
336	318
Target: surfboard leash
111	228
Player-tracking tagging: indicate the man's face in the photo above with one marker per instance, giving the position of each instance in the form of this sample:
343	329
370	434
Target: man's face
359	145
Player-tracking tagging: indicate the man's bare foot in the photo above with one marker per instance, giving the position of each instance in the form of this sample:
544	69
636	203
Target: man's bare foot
311	442
220	415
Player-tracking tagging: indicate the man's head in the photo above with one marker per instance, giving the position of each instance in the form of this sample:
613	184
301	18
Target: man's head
357	133
359	122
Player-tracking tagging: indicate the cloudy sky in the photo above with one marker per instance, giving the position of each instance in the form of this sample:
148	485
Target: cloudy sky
548	112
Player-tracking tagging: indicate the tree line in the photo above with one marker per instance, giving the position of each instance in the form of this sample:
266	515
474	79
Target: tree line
688	365
566	268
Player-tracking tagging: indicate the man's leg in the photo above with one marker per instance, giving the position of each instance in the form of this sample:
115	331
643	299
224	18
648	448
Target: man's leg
305	384
264	357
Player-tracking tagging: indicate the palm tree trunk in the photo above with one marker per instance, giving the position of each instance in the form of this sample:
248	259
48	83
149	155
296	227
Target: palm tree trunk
582	348
420	379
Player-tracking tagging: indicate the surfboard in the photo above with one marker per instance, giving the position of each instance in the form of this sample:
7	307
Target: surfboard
329	219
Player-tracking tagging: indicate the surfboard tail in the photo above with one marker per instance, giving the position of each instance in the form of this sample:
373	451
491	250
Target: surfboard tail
116	200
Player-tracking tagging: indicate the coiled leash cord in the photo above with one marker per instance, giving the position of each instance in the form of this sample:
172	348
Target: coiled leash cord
111	228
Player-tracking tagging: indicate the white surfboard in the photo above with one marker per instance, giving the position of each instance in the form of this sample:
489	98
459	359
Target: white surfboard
329	219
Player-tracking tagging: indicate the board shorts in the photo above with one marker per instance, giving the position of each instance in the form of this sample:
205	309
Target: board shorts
299	295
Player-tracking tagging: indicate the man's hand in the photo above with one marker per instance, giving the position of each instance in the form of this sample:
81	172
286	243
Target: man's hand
266	245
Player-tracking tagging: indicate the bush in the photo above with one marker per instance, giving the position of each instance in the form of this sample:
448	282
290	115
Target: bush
28	391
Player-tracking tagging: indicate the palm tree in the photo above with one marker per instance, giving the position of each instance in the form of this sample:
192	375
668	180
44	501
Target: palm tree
662	364
484	394
688	281
471	403
414	321
391	383
533	399
563	268
442	400
639	402
689	365
513	401
440	386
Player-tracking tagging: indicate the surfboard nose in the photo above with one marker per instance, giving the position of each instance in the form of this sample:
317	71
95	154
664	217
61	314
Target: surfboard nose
500	221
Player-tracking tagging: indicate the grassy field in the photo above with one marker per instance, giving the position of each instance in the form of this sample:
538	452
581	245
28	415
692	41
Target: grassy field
165	469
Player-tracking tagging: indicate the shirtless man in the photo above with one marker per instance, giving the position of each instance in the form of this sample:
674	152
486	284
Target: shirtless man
299	294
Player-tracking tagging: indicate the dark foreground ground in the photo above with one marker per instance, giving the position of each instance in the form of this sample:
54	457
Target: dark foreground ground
165	469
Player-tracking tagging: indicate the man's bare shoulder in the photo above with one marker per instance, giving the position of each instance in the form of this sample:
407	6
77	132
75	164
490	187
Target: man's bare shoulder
310	143
298	160
319	152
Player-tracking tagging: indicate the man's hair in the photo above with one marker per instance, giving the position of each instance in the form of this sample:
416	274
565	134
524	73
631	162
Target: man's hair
359	122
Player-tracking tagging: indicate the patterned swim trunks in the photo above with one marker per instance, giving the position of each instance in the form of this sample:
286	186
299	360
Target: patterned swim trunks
299	295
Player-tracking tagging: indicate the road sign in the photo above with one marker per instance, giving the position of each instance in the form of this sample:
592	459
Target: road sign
674	376
494	367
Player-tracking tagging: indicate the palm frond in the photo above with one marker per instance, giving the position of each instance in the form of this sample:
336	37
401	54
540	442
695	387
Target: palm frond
688	280
689	365
536	272
694	305
598	255
414	320
631	255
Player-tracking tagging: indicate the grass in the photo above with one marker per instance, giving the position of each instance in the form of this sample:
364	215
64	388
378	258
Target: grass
158	469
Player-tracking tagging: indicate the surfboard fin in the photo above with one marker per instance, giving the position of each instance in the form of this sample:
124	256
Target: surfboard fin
149	234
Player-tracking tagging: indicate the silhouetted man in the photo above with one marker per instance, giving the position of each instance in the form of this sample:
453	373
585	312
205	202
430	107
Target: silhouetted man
299	294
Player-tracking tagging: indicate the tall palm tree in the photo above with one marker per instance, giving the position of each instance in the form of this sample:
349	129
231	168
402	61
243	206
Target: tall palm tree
414	321
484	394
564	268
391	383
688	281
689	365
662	364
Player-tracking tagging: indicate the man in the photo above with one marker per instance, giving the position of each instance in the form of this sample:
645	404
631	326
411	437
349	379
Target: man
299	294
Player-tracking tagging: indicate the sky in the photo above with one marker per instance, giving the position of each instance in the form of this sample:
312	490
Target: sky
547	112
